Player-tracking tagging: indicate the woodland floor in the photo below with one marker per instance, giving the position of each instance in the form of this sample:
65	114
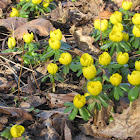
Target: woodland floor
39	110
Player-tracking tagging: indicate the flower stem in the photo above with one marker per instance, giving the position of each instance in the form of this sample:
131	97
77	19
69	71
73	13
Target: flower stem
53	85
130	104
95	115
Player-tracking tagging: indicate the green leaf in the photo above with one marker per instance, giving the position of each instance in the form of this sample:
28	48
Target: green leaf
84	114
107	45
107	86
115	66
68	109
116	93
75	67
57	54
47	55
136	43
112	49
133	93
99	106
68	104
125	46
120	92
91	106
102	101
98	79
125	87
79	73
66	69
97	38
98	71
73	113
44	78
105	77
65	46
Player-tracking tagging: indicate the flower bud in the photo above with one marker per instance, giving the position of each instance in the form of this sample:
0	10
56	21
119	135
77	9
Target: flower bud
137	65
17	130
125	36
126	5
118	27
14	13
65	58
134	78
56	34
116	17
89	72
116	36
104	24
104	59
136	19
45	3
94	87
52	68
11	42
86	59
50	0
122	58
36	1
54	43
79	101
115	79
28	37
136	30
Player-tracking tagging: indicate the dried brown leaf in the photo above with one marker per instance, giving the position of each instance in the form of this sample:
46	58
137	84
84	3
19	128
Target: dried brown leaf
12	23
39	26
16	112
84	42
58	100
4	3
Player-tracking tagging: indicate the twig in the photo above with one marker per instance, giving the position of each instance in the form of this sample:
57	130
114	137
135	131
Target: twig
20	75
16	77
16	63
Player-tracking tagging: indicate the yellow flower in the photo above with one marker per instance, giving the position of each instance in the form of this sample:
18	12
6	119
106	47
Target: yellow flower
136	30
14	13
122	58
52	68
79	101
56	34
54	43
126	5
86	59
89	72
86	94
36	1
17	130
116	17
11	42
115	79
94	87
137	65
125	36
105	58
104	24
136	19
116	36
134	78
45	3
118	27
65	58
28	37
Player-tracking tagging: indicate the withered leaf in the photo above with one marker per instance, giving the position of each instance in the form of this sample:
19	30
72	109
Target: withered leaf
16	112
40	26
4	3
12	23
